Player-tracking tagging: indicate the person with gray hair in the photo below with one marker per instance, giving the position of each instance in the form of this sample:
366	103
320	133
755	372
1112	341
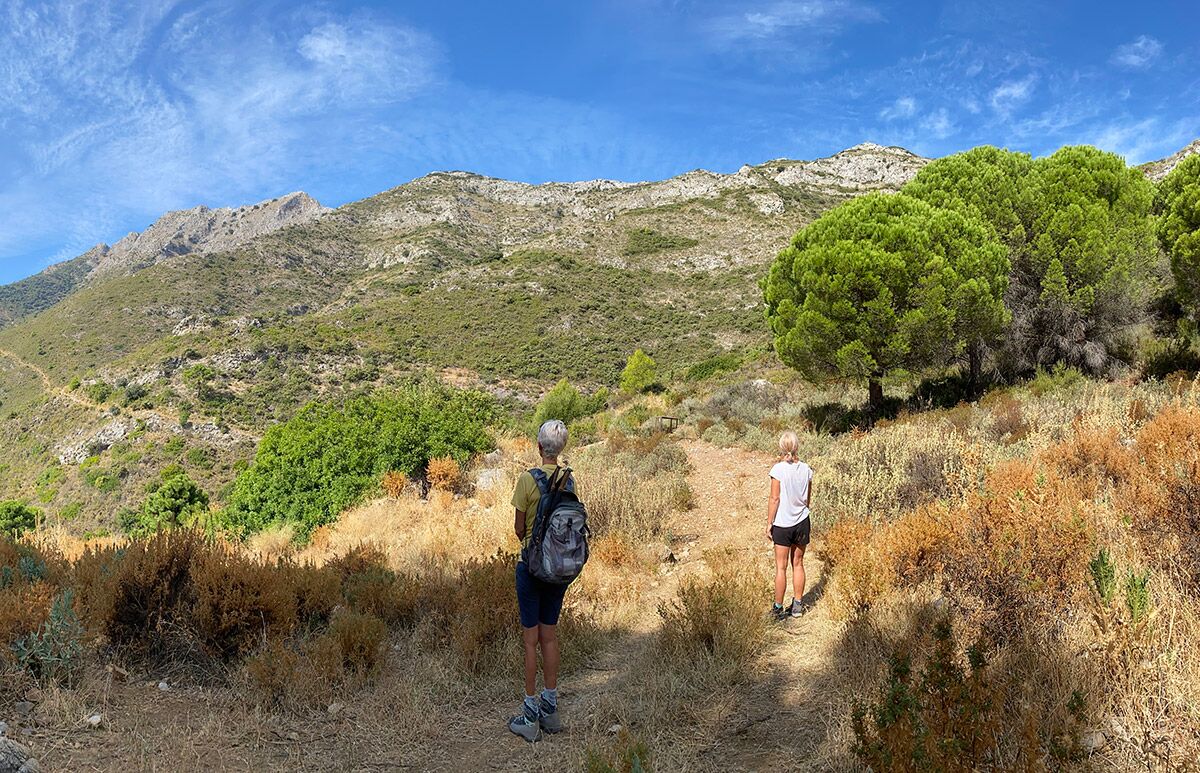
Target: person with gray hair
539	603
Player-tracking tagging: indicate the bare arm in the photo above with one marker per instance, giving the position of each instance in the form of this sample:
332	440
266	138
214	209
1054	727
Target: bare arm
810	488
772	505
519	524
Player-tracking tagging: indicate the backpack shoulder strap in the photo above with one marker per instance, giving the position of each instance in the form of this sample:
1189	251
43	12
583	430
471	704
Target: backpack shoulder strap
539	477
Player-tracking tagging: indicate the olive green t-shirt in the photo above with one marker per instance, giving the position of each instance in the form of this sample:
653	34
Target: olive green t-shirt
526	498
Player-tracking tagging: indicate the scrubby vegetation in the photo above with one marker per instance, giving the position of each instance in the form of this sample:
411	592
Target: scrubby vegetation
320	462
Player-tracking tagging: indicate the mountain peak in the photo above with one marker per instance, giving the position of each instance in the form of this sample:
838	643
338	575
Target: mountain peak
201	229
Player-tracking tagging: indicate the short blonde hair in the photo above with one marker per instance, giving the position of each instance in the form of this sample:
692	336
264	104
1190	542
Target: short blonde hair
789	445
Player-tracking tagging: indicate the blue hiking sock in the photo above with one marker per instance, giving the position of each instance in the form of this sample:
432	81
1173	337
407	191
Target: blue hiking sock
531	707
550	698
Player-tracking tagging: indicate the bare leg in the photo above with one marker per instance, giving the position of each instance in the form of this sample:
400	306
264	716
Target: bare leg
798	571
781	563
530	637
548	637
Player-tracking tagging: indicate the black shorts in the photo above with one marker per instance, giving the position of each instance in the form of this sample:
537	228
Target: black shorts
792	536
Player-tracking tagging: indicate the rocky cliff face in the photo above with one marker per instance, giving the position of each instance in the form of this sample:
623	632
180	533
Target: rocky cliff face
201	229
1156	170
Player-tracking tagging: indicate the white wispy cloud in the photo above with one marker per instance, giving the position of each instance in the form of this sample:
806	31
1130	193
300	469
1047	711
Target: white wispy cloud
112	109
904	107
1145	139
938	123
1137	54
765	22
1010	95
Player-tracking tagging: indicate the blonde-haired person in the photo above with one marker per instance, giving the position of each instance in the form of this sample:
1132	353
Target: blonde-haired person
788	522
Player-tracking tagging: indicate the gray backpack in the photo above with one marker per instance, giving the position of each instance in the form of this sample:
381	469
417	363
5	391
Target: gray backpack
558	547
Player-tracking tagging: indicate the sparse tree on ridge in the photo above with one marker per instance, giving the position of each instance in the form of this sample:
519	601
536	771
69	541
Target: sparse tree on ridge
885	284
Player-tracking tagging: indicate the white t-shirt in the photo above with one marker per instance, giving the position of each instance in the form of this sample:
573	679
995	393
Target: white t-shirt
794	479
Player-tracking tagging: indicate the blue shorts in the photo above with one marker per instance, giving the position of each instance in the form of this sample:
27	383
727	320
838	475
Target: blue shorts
539	602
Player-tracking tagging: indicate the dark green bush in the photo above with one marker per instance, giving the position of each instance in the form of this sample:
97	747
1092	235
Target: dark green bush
565	403
17	517
320	462
644	241
175	501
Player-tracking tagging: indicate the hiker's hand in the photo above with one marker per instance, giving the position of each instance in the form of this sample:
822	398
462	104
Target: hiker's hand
770	536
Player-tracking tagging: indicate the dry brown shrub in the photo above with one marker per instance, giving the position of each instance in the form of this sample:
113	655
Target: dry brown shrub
239	603
394	483
279	675
23	609
485	640
317	590
871	561
1008	418
702	425
351	649
614	549
274	542
1165	493
1138	412
1093	455
1020	550
369	586
717	625
138	589
445	474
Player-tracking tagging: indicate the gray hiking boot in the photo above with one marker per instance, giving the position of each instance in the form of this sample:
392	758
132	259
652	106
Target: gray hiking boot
525	725
798	609
549	719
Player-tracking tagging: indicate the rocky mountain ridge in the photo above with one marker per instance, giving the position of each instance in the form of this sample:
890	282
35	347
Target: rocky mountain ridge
1157	170
201	229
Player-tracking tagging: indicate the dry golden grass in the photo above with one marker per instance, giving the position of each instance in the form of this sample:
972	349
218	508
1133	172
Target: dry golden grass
405	605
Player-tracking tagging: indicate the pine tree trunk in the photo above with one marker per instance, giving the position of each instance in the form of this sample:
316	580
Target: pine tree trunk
875	390
975	363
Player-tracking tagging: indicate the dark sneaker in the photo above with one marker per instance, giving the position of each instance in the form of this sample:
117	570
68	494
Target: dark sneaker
525	725
779	612
549	719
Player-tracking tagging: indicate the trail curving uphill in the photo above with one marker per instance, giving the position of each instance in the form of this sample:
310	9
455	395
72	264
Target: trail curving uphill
48	385
148	415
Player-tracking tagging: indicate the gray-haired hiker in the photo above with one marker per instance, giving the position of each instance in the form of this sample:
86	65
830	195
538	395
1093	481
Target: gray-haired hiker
552	526
788	523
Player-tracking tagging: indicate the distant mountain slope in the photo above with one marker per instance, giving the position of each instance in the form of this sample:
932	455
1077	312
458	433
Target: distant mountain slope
1156	170
182	232
504	285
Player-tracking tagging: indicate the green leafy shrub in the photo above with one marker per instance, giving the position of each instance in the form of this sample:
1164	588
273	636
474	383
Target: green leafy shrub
721	363
565	403
951	718
310	469
645	241
1056	380
175	501
98	391
640	373
53	652
1137	595
17	517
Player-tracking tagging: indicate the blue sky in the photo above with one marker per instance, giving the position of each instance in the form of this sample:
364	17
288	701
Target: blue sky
112	113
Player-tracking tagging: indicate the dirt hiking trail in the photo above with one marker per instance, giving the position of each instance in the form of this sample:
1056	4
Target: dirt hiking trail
779	719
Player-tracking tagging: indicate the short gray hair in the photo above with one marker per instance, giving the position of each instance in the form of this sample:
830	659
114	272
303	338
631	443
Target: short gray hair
552	437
